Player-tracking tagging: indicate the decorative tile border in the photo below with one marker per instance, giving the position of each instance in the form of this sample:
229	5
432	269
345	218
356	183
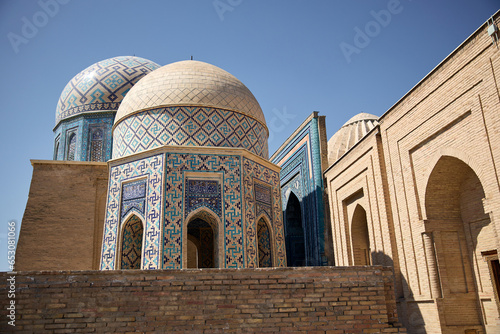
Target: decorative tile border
176	165
253	170
152	168
102	86
192	126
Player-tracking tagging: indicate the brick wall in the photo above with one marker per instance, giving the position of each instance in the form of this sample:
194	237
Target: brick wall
63	220
290	300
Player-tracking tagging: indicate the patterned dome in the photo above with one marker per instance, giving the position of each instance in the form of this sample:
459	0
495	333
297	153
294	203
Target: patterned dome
349	134
189	103
191	83
102	86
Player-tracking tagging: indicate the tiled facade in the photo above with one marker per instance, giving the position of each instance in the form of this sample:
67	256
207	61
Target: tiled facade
84	128
416	190
302	159
102	86
88	104
192	126
184	184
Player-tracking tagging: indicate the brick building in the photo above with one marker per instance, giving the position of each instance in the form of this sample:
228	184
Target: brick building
176	175
417	189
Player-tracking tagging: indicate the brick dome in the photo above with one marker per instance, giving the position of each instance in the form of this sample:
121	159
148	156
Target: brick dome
349	134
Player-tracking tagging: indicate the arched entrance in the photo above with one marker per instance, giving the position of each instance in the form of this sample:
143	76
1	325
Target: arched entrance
294	240
264	240
201	242
131	245
461	232
360	238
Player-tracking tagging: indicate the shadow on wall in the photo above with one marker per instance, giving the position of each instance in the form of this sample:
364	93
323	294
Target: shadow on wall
304	227
409	314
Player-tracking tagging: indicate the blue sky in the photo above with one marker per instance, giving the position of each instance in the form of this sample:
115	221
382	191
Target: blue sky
336	57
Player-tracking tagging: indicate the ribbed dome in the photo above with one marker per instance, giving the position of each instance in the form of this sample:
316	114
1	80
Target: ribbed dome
190	83
102	86
349	134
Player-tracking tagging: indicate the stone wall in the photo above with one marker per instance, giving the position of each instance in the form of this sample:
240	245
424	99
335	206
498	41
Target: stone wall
313	299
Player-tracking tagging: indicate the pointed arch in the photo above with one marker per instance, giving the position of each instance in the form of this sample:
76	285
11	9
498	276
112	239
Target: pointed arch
460	232
131	243
265	243
56	149
71	151
360	239
205	231
450	152
294	233
96	145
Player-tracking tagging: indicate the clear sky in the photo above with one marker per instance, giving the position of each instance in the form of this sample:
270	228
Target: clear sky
336	57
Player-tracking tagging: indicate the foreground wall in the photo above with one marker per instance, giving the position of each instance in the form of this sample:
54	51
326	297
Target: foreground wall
63	220
326	299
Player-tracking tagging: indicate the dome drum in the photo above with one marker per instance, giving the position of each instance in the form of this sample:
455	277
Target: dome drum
101	86
193	126
189	103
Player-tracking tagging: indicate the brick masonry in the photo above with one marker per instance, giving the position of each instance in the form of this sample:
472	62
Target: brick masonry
427	177
286	300
62	222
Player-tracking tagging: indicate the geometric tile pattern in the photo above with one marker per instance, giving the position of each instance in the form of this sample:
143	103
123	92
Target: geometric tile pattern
85	126
192	126
133	197
102	86
263	200
175	166
132	244
301	174
264	240
202	193
96	144
150	168
254	171
188	83
71	147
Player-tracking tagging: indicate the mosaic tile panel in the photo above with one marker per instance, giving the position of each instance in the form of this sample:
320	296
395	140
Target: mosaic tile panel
200	193
264	240
132	244
301	173
133	197
102	86
83	125
96	135
263	200
253	171
192	126
150	168
71	147
175	166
